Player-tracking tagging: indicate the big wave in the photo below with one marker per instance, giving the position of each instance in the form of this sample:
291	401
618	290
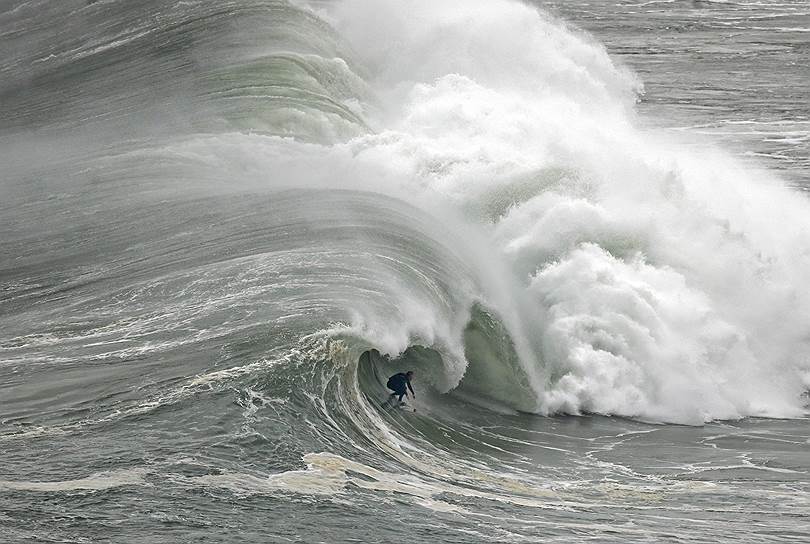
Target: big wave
635	276
577	262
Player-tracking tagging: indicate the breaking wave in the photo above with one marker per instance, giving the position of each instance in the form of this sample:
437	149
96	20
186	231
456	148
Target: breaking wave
460	185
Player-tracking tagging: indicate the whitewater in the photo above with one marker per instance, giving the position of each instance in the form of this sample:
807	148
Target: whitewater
583	225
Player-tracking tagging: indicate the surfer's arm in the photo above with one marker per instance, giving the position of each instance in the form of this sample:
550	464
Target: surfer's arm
411	388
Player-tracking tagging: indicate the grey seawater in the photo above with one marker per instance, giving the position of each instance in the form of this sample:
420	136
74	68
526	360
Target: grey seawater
164	371
736	72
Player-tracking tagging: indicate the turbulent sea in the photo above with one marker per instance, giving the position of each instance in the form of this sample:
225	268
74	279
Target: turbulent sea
584	224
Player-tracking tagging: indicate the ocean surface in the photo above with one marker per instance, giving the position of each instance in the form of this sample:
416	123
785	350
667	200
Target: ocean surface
583	224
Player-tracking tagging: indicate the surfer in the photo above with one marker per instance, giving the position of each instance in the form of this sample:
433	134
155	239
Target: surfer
398	382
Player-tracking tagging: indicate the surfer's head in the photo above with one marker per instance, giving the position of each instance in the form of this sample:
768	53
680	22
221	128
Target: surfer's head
409	374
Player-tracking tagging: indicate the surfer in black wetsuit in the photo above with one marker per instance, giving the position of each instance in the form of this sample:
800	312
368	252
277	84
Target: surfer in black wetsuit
398	382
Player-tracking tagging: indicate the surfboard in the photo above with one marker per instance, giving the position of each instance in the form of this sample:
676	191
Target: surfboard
389	404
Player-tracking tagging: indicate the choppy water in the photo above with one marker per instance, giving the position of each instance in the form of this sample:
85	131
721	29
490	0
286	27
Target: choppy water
592	248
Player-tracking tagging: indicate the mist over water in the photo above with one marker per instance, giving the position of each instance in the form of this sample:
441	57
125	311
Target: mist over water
226	224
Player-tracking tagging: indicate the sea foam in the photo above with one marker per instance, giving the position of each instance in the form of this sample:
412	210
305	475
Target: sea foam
651	280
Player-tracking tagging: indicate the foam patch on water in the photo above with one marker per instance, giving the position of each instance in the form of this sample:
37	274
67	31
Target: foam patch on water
95	482
333	476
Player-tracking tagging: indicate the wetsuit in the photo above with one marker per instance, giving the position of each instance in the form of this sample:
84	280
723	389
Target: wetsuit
397	384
